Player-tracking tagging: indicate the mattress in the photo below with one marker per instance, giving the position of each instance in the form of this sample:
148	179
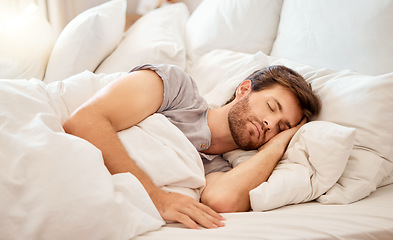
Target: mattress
370	218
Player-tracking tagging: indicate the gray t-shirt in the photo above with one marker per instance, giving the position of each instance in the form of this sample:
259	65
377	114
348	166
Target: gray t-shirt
187	110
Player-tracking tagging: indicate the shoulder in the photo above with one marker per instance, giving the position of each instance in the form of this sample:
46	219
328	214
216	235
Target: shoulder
165	71
179	88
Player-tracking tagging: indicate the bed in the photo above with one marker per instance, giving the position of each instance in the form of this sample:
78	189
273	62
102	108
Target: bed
334	181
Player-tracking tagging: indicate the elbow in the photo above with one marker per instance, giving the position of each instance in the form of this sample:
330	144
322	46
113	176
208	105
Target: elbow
222	205
74	123
225	203
69	125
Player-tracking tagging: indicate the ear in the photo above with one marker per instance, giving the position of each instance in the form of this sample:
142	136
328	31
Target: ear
243	89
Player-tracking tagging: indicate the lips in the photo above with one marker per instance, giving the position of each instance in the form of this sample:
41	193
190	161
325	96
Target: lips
258	130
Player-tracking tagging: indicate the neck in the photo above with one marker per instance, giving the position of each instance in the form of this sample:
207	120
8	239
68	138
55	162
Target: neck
221	137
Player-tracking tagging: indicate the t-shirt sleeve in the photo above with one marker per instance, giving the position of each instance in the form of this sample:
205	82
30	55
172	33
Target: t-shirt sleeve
214	163
177	84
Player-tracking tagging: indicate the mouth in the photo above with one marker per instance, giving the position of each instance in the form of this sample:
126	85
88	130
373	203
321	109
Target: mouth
257	130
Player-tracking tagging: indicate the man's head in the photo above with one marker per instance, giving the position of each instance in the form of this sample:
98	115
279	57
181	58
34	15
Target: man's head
269	101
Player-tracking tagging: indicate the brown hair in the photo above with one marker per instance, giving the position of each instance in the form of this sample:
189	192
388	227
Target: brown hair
286	77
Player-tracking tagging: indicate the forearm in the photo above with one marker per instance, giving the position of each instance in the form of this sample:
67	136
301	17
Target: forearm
98	130
255	170
229	192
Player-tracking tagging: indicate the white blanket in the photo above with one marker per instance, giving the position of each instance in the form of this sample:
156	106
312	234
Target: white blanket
165	154
56	186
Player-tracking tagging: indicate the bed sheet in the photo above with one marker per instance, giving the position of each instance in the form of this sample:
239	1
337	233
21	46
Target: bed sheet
370	218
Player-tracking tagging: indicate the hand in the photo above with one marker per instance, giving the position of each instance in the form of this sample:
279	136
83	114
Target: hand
283	137
186	210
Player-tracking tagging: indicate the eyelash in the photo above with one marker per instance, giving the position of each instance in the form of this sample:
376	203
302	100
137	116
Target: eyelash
271	109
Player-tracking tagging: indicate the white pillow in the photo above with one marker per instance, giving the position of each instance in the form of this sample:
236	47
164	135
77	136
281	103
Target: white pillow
87	40
26	42
233	24
337	34
363	102
155	38
315	159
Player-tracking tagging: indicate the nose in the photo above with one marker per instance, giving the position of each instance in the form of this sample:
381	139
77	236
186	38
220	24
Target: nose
266	125
270	123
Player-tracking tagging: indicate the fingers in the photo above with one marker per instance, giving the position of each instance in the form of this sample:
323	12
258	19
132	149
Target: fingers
186	220
186	210
211	212
205	216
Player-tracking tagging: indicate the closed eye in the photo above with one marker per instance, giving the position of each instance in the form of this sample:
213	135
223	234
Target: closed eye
270	106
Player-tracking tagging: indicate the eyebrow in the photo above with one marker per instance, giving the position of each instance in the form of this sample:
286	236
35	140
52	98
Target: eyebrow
280	109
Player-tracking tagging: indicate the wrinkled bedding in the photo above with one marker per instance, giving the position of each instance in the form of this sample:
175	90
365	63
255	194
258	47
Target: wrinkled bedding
56	186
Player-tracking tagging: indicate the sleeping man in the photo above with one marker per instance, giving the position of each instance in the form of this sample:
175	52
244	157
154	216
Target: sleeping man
265	112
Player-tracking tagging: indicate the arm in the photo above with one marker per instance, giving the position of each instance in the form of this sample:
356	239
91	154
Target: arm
229	192
123	104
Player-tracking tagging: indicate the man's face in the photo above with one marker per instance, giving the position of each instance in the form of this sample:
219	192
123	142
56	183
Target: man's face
259	116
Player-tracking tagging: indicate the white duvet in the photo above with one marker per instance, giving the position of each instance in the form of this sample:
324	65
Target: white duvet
56	186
